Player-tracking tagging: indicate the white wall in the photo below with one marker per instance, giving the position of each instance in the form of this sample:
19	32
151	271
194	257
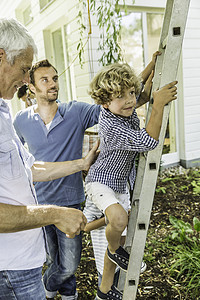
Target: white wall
190	132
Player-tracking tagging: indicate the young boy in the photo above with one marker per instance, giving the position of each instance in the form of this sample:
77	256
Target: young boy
115	87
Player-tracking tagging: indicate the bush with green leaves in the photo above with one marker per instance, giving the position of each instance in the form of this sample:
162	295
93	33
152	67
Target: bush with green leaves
184	242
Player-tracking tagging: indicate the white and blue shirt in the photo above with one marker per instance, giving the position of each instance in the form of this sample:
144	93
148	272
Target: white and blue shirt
120	141
24	249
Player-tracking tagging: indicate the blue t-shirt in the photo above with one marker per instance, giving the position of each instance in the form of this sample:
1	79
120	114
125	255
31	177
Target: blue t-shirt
63	141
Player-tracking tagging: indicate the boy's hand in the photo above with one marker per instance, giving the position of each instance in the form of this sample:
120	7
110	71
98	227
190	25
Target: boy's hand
166	94
154	57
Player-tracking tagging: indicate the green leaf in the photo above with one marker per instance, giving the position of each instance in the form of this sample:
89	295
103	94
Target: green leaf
196	224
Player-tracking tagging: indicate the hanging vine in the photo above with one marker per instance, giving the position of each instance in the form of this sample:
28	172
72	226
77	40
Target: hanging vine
109	16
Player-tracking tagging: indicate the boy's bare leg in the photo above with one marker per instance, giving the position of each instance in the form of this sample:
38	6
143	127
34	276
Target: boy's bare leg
118	220
108	274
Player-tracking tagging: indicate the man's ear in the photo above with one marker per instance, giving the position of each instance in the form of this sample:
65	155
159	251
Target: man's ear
105	105
31	88
2	54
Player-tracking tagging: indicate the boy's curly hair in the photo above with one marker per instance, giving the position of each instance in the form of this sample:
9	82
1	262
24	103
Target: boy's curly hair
112	81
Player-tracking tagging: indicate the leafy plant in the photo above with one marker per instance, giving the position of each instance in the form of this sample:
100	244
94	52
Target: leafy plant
181	231
185	263
196	186
108	15
82	28
161	189
186	267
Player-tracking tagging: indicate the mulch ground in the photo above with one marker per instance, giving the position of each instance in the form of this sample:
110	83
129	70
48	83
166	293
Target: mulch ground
174	197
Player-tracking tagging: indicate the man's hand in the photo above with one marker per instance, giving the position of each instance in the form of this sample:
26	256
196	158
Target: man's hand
92	155
71	221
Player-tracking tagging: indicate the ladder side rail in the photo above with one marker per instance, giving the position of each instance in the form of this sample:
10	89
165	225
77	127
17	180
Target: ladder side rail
132	225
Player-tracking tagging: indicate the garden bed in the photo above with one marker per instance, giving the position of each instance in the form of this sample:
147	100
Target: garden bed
177	194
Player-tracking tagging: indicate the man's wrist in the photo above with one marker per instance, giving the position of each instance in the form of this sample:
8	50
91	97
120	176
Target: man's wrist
83	164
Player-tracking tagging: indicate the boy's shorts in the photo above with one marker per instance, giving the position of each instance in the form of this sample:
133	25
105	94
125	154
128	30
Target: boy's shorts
103	196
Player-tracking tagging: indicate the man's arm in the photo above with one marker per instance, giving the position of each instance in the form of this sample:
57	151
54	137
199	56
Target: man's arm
69	220
46	171
17	218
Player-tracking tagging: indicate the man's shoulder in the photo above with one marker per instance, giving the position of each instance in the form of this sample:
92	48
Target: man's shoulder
75	105
23	114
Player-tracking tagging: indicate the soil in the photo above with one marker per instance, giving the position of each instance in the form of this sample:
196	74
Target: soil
174	197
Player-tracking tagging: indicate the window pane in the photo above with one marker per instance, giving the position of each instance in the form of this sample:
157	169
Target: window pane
60	65
27	16
132	49
43	3
131	41
154	26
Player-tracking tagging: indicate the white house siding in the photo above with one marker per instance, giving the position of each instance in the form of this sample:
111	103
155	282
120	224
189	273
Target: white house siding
190	123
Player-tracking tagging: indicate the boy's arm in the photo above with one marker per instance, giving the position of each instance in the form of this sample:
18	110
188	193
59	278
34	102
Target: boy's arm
161	98
145	94
150	67
95	224
147	77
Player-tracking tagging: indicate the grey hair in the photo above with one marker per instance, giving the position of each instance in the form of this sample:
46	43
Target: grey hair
14	39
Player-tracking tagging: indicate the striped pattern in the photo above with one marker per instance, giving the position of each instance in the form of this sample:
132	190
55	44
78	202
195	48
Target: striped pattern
121	139
98	236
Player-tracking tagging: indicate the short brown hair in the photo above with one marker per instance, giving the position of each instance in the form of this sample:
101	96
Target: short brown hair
112	81
40	64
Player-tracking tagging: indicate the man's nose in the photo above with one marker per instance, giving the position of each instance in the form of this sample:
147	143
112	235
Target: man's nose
26	78
52	84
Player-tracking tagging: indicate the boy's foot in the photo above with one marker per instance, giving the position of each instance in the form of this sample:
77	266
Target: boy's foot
121	258
113	294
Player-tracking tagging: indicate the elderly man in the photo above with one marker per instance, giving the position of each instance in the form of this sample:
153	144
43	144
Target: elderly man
22	240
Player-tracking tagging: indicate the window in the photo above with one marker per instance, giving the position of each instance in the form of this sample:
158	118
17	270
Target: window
62	59
140	36
45	3
27	15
